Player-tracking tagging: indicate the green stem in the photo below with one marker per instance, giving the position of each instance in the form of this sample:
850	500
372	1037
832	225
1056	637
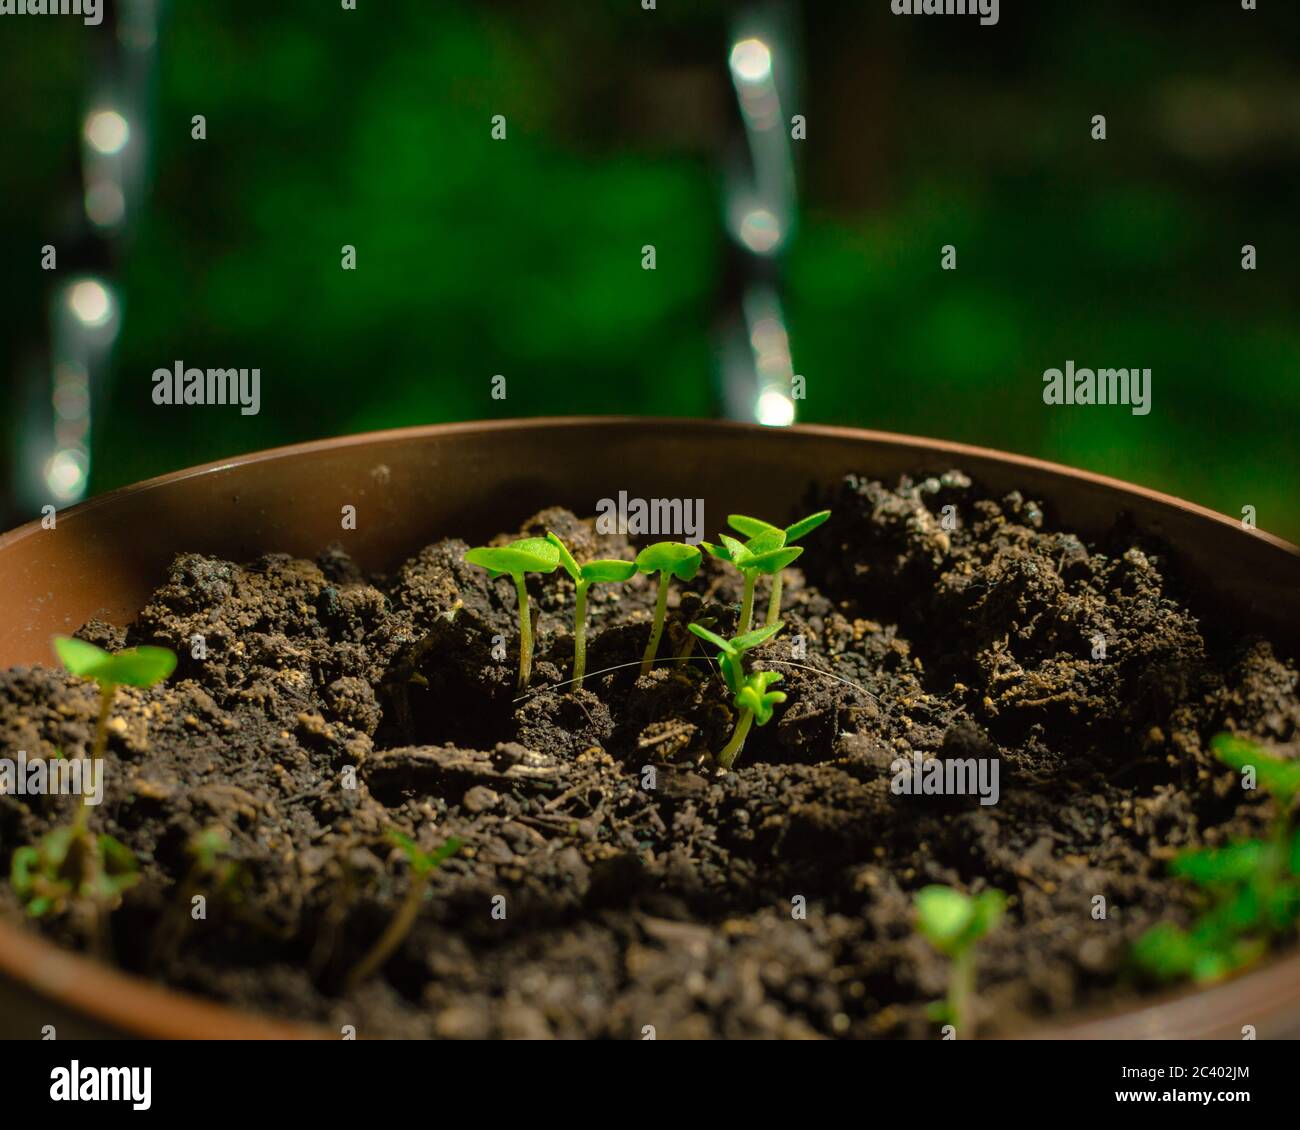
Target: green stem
961	988
393	934
657	630
733	747
525	633
106	692
580	636
747	605
774	603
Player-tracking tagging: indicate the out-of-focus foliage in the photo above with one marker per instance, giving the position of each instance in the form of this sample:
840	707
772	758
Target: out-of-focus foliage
523	258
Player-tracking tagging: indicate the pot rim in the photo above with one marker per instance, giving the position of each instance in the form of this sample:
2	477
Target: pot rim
132	1004
888	439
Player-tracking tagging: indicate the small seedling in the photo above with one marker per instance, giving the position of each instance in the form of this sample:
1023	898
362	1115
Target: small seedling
69	863
669	559
764	553
603	572
754	527
527	555
751	695
134	667
1253	886
214	872
422	867
952	922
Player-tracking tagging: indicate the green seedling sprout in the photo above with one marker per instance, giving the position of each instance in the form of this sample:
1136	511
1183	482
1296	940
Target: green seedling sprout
134	667
754	527
602	572
764	553
751	695
952	922
69	863
527	555
669	559
422	867
1253	885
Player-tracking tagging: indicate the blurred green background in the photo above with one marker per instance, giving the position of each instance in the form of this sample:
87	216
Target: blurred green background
476	257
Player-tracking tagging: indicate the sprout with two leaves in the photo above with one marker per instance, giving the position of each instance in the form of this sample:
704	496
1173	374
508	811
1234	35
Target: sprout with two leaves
751	695
953	922
134	667
516	560
69	863
755	527
603	572
765	553
669	559
423	865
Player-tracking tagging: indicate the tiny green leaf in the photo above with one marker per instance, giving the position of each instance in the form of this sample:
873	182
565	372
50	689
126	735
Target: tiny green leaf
673	557
750	527
119	871
141	666
755	696
805	526
1232	864
422	863
952	921
207	846
81	658
763	553
444	851
566	558
764	543
751	640
527	555
25	860
400	839
608	572
1166	952
712	637
773	561
943	915
737	554
135	666
117	856
989	908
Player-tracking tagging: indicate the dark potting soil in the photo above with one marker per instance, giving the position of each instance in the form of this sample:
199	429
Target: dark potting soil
669	898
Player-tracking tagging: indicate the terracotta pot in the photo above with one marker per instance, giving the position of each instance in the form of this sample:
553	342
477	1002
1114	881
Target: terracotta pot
473	480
